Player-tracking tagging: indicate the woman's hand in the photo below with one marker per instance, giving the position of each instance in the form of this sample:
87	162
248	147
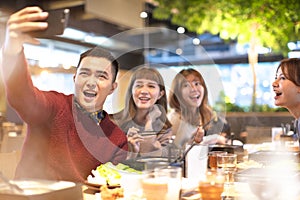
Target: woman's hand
134	139
18	26
198	135
221	139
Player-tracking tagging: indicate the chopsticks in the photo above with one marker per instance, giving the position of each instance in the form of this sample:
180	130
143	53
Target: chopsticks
149	133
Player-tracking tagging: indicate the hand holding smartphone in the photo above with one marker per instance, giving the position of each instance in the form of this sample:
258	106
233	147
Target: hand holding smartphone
57	22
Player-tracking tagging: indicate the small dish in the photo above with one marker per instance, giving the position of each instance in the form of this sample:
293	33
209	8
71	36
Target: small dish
36	189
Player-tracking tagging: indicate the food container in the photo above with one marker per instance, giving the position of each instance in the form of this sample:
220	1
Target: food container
274	156
270	183
42	190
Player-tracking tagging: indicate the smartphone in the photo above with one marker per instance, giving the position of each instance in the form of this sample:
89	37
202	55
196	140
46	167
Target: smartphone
57	22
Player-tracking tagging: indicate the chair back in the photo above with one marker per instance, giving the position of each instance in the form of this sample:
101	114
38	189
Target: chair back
8	163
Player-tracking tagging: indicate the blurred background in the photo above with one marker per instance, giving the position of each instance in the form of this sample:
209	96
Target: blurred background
172	36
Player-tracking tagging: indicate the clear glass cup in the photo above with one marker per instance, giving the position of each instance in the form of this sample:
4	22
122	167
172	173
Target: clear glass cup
153	187
292	145
227	162
173	175
131	184
211	188
212	159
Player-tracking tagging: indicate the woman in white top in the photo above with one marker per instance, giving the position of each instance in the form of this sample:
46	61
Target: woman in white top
188	99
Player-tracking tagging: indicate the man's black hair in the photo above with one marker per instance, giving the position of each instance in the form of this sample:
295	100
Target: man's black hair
102	53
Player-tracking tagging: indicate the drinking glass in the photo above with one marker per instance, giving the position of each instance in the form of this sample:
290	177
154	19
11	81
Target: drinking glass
131	184
154	188
173	175
212	159
227	162
211	188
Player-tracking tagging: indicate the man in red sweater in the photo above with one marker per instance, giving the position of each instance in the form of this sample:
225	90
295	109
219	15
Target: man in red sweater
68	135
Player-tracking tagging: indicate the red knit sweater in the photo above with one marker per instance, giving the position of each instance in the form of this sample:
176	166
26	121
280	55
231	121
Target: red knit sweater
62	142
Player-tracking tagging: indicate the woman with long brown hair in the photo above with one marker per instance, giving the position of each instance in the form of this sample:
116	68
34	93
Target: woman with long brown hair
191	111
144	117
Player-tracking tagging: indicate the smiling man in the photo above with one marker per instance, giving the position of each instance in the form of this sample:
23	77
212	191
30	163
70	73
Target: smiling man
68	135
95	79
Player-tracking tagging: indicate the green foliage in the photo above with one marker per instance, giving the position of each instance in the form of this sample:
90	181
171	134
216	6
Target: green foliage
230	107
278	21
234	108
267	108
223	104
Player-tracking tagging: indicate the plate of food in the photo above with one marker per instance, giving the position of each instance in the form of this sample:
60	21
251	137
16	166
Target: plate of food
249	164
109	175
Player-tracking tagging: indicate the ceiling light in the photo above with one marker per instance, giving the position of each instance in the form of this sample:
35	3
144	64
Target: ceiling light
196	41
180	30
143	15
179	51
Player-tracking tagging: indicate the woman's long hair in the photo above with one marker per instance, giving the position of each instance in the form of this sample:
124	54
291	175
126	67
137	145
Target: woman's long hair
128	113
177	103
290	68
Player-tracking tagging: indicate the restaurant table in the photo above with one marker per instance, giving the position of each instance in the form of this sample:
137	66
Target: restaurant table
240	191
250	196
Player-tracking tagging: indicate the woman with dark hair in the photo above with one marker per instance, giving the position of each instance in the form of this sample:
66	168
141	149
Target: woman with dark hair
287	86
145	114
189	101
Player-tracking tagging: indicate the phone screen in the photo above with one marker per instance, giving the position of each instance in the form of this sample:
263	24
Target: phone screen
57	22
